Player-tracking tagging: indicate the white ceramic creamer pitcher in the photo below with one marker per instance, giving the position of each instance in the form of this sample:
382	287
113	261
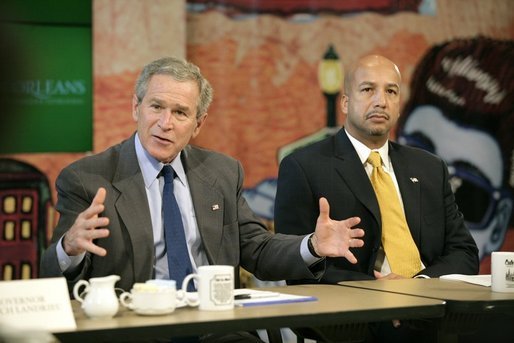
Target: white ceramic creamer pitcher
100	300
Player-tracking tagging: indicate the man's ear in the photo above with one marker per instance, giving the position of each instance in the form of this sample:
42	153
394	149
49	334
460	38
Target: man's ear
344	103
199	123
135	105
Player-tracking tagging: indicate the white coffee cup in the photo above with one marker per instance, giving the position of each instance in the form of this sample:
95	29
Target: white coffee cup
151	298
215	285
502	271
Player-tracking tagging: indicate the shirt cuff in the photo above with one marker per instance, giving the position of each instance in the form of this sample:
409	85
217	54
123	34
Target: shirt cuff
421	276
308	258
67	263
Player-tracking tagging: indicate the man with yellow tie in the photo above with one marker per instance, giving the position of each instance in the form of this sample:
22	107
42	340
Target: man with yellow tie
402	195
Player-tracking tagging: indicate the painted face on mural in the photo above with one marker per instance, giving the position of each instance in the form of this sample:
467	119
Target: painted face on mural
166	117
372	100
474	173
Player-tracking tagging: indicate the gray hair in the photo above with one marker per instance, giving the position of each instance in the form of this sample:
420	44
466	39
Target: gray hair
181	71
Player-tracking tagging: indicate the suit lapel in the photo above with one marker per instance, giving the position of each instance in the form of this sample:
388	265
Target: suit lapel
133	209
351	170
409	186
207	201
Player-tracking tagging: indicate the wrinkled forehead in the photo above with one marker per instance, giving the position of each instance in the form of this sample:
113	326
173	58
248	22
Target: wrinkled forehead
377	73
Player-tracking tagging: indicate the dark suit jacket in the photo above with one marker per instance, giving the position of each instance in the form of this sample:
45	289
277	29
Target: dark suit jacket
232	235
332	169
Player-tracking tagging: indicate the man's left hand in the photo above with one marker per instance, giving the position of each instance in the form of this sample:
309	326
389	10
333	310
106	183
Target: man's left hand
333	238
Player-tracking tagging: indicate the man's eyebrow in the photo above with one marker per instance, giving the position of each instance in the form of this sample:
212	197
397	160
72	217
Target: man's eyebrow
388	85
180	107
393	85
174	106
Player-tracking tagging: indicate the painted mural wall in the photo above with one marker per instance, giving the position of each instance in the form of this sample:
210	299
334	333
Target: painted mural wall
263	62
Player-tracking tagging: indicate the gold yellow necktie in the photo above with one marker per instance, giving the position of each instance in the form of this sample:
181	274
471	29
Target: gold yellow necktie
400	249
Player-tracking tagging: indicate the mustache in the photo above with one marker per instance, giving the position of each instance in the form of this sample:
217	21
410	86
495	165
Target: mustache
372	113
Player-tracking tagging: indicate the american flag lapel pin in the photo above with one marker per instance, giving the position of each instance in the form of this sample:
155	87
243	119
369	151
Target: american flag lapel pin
215	207
414	179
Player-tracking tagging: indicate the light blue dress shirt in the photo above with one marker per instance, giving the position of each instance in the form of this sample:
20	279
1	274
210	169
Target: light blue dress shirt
150	169
154	185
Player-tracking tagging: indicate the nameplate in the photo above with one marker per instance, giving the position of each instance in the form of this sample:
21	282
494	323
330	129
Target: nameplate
36	304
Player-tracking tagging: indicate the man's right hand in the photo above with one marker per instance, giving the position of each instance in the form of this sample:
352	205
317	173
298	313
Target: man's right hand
87	227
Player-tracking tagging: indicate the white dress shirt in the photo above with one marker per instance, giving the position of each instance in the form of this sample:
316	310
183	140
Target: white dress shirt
381	264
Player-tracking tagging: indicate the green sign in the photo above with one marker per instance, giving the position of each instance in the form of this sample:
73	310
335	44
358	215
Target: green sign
50	98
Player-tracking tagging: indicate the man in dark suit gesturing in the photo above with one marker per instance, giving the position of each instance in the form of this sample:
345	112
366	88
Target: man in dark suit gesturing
110	204
338	169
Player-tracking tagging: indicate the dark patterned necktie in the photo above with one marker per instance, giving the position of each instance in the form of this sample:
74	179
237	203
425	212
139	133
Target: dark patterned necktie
179	264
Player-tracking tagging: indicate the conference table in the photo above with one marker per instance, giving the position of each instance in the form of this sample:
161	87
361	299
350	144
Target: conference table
338	310
470	308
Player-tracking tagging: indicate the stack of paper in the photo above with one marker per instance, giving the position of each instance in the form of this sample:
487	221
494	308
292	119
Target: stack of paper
254	297
482	280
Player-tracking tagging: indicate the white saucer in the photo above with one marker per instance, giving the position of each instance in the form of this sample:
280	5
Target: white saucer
154	312
182	302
